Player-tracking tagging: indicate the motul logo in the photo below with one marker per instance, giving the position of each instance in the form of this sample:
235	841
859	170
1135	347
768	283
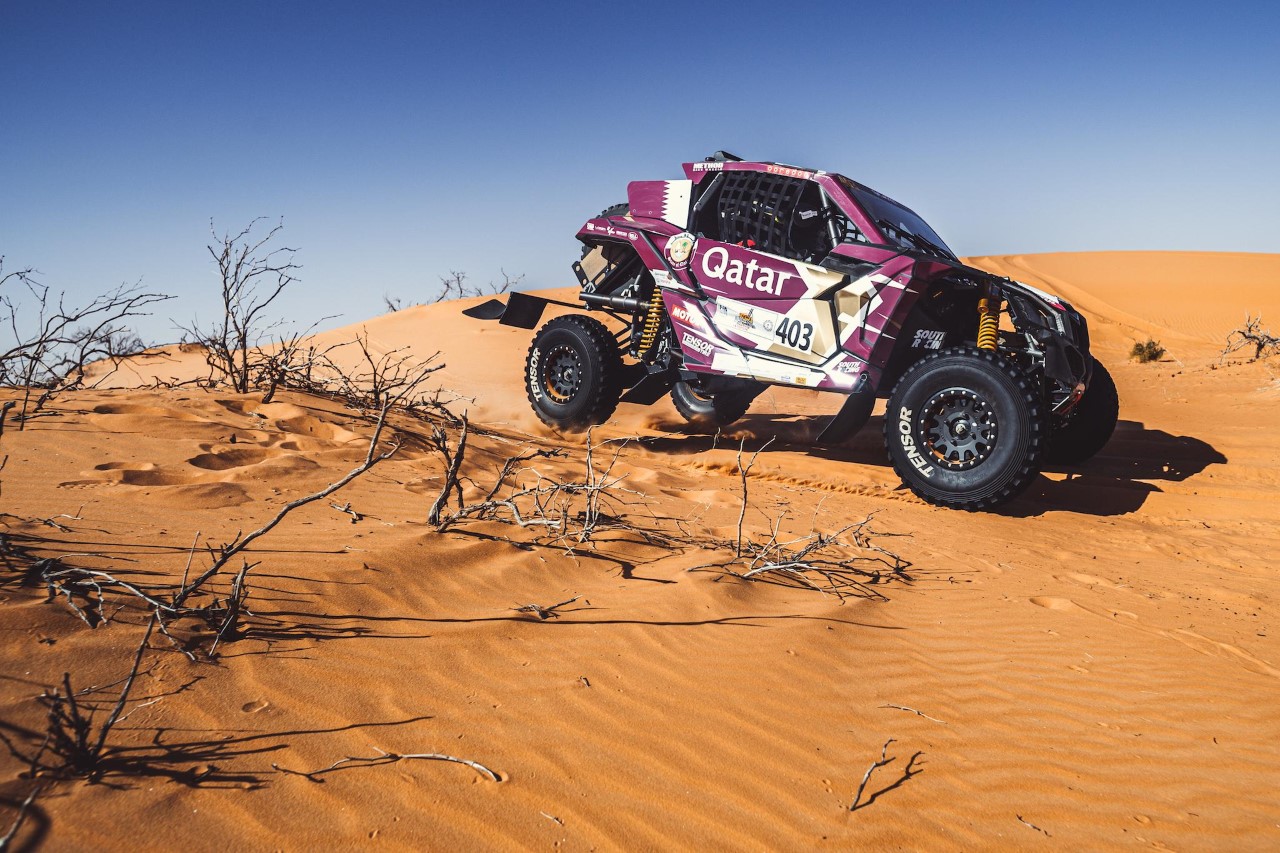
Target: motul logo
689	318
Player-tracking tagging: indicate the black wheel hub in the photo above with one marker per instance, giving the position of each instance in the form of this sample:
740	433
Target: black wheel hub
562	374
959	428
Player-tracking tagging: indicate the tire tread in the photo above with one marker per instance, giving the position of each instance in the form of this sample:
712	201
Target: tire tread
603	348
1037	429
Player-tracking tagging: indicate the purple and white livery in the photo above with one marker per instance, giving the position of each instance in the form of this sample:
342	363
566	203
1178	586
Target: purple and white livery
742	275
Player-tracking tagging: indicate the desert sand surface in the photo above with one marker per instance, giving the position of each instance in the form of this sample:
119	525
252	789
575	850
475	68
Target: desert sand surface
1095	666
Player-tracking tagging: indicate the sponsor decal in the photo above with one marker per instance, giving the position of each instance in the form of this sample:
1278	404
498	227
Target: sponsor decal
689	318
788	171
697	344
534	387
613	232
849	367
928	339
801	380
679	250
717	265
745	319
909	443
767	325
708	167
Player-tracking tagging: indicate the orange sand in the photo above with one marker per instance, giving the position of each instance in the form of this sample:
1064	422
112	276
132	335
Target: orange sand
1098	662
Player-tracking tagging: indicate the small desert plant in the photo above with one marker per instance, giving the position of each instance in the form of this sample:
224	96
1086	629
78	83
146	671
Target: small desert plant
1147	351
1251	334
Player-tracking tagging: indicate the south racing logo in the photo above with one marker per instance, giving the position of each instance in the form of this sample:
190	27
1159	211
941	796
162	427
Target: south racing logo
928	339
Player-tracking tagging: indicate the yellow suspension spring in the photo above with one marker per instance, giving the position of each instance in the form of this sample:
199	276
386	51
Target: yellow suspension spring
988	323
652	319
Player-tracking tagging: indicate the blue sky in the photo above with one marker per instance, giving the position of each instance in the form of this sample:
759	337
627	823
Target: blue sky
400	141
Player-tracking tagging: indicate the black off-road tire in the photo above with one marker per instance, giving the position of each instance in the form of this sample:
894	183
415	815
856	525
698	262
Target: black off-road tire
965	429
1088	428
573	373
612	210
708	411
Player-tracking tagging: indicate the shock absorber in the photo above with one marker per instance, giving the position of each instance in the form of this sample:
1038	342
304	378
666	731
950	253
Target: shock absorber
652	320
988	322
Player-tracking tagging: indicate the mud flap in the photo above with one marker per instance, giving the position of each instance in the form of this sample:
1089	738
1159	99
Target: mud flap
521	310
649	390
853	415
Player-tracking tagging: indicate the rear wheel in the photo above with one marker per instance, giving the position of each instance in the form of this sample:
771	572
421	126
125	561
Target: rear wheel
619	209
965	429
573	373
706	409
1088	428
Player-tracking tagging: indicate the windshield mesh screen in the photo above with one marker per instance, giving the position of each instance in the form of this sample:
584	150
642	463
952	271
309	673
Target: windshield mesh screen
755	209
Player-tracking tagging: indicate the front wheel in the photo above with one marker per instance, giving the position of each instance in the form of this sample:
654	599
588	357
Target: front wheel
965	429
1088	428
573	373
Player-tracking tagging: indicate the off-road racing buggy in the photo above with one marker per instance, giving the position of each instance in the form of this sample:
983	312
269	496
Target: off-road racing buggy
747	274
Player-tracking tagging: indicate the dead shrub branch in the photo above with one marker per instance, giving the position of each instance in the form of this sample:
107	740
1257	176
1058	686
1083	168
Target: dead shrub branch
48	345
386	758
1251	334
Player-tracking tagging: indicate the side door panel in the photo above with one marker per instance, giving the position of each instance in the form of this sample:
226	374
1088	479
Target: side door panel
767	303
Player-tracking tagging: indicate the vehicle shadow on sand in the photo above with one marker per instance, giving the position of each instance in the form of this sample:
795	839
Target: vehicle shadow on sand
1119	479
1115	482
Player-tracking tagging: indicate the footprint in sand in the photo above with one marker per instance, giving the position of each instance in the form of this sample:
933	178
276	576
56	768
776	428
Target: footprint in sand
145	411
225	460
1053	603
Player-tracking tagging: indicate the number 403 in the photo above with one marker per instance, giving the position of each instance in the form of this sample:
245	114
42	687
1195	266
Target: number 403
795	334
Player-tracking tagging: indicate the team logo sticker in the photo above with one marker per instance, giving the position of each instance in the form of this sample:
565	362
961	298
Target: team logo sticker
680	250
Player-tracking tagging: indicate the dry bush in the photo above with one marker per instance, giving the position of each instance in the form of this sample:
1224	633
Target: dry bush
563	511
845	562
73	745
1147	351
49	344
1251	334
251	276
378	378
454	286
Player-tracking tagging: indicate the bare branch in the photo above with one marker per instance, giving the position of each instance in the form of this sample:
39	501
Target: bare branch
21	817
1252	334
743	471
387	758
52	344
251	277
914	711
549	612
867	776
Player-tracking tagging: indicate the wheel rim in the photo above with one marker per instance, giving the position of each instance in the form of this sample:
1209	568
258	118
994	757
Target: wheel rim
959	428
562	373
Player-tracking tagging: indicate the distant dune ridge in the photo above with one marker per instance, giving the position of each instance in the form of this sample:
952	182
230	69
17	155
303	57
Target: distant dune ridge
1092	667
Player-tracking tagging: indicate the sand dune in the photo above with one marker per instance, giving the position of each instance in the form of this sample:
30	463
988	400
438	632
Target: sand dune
1093	667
